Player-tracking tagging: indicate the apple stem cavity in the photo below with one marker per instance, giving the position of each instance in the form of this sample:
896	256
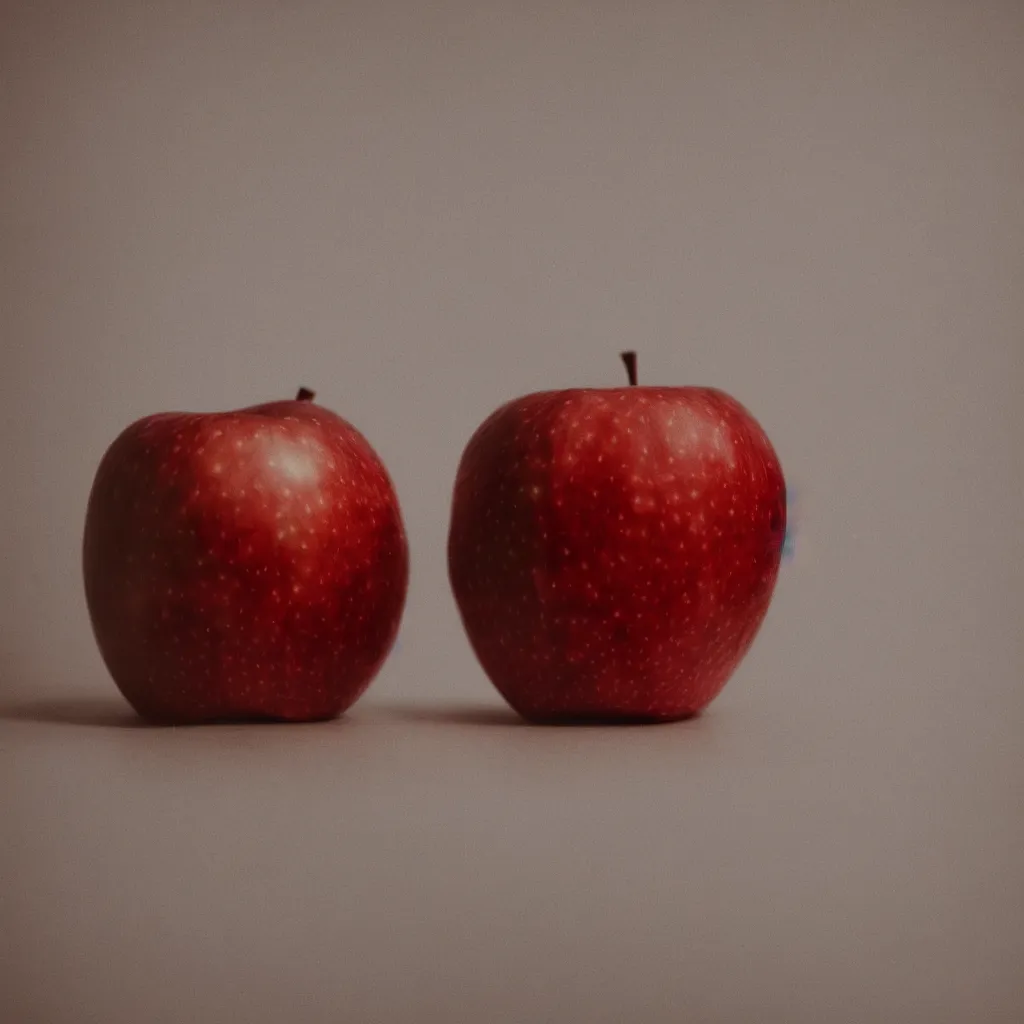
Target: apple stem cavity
305	395
629	358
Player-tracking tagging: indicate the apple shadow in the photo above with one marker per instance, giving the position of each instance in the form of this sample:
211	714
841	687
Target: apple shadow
110	713
504	716
97	712
470	714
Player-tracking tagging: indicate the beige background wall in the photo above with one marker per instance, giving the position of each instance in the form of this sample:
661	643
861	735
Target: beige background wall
421	210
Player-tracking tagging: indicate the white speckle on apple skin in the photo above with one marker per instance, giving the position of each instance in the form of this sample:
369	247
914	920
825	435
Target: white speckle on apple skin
198	524
631	581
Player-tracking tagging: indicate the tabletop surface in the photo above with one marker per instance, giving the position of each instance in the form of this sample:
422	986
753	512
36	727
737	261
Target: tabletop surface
444	862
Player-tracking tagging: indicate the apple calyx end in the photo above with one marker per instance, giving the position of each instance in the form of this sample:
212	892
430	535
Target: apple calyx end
305	395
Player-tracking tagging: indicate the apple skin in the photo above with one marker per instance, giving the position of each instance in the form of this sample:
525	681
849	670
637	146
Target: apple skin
244	565
613	552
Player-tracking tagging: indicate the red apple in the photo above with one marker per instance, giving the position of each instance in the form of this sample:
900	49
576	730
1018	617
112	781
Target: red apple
613	551
244	565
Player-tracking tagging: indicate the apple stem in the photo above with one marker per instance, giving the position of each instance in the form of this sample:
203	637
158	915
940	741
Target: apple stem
629	358
305	395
